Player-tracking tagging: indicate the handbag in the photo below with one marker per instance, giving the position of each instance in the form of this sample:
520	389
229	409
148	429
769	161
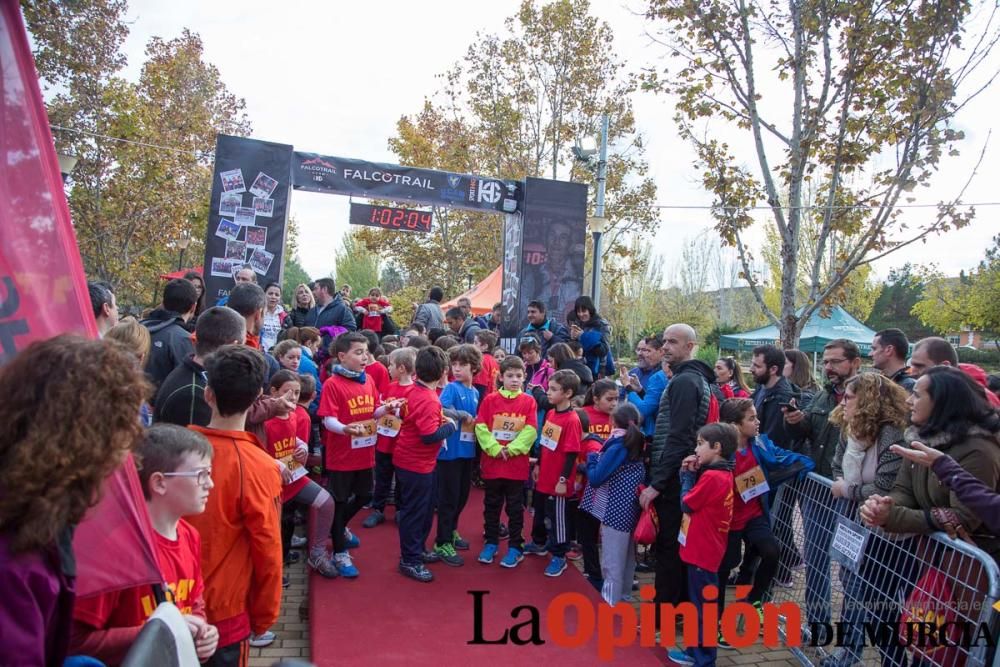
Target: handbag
932	601
648	525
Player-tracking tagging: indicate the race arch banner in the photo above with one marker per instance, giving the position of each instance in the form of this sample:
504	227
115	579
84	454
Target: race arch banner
347	176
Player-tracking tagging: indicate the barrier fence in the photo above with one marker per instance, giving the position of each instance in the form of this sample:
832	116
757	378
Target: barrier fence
876	598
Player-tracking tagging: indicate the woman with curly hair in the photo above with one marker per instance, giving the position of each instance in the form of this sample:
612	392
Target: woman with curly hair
871	419
136	340
68	418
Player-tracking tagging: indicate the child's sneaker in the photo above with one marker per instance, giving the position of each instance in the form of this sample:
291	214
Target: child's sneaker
458	542
417	572
721	641
574	554
320	562
373	519
679	657
264	639
556	567
286	581
446	552
351	540
298	541
512	558
345	566
536	549
431	557
488	553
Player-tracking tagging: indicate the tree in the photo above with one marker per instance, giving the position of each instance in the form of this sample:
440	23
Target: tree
863	98
143	177
969	301
356	265
513	107
294	276
894	306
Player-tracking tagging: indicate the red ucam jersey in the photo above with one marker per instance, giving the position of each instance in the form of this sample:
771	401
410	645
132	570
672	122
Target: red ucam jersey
422	415
746	470
350	402
282	439
488	374
704	532
561	434
503	417
600	422
380	375
389	424
303	424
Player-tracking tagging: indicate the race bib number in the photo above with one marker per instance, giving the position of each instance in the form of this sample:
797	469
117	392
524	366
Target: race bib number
550	436
297	469
751	484
682	536
389	425
468	433
367	438
507	428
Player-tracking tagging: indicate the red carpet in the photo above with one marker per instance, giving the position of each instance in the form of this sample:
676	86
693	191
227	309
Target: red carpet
384	618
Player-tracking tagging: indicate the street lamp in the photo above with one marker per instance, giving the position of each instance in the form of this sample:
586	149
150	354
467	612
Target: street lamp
469	276
183	245
584	151
67	163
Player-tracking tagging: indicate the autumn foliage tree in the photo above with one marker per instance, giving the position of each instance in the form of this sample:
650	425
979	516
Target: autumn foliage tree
852	101
511	108
143	178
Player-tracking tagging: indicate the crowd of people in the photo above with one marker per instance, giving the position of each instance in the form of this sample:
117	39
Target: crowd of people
329	408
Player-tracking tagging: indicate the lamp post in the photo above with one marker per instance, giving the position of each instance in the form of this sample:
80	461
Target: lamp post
469	276
67	163
584	152
183	245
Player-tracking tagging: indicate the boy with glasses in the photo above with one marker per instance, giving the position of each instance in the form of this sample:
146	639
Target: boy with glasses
176	476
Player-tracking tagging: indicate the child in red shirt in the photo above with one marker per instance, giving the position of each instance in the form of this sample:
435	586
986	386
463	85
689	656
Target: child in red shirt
372	309
349	408
506	426
176	477
599	404
707	503
486	379
285	443
373	368
421	434
559	448
401	364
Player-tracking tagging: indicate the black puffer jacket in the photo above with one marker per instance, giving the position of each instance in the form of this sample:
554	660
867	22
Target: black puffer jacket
171	343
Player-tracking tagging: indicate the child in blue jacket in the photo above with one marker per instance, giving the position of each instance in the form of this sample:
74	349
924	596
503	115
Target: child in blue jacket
612	495
759	466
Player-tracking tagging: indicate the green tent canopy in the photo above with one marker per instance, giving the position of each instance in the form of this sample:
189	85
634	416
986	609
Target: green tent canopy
818	332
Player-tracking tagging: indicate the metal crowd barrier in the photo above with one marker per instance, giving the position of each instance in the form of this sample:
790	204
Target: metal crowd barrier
876	598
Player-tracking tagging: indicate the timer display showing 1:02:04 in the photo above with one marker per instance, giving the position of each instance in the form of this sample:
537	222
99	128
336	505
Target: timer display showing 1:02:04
387	217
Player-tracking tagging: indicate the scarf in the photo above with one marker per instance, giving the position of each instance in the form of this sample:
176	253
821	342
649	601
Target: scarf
854	461
349	374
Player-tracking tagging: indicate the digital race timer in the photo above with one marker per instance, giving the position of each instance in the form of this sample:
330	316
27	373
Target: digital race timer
387	217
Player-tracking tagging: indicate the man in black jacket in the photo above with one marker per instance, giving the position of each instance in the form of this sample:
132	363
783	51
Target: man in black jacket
330	310
460	324
171	341
684	408
181	398
773	391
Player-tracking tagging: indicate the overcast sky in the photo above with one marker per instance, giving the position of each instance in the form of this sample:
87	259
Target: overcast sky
335	77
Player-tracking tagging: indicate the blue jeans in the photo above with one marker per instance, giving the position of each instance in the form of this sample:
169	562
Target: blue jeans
704	656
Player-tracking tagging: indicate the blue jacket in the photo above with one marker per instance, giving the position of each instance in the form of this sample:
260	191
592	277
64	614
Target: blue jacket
612	493
649	403
779	465
560	334
457	397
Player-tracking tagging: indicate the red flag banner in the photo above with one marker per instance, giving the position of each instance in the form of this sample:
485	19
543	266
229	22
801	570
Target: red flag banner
43	291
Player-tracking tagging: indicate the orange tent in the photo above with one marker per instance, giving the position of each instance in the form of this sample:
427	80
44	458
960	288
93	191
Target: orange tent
483	295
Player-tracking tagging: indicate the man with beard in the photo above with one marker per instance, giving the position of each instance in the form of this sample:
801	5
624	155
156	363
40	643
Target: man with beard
684	408
773	391
841	360
541	325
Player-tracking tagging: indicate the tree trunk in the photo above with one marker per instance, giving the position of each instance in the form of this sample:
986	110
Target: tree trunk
789	270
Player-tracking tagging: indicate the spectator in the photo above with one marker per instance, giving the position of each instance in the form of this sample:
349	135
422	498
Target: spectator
304	302
274	317
373	310
684	408
549	331
773	391
249	301
309	338
243	276
136	340
465	303
330	310
729	377
594	334
871	419
949	414
199	288
429	314
649	358
646	396
929	352
798	369
978	375
889	350
463	326
562	358
167	326
102	300
52	473
494	317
